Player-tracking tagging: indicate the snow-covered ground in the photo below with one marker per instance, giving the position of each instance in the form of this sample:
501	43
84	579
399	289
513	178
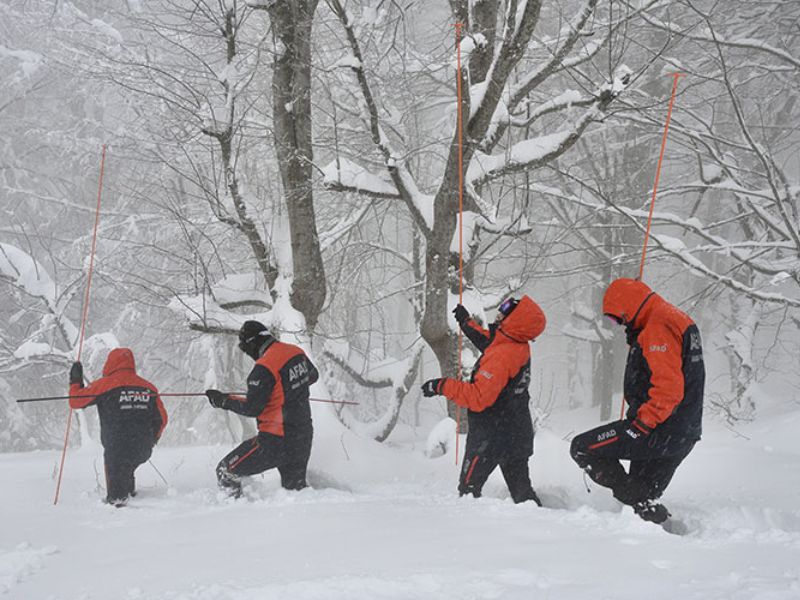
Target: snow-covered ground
384	522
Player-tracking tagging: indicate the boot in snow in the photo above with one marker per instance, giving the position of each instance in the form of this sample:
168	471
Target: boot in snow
652	511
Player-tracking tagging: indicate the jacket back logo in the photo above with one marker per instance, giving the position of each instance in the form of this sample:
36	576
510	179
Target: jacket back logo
134	399
298	371
694	341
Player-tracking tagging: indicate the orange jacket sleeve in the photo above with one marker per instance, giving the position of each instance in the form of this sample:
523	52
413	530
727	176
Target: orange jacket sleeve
489	381
662	349
81	397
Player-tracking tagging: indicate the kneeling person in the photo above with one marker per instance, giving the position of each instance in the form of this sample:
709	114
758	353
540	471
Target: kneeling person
132	419
278	397
664	381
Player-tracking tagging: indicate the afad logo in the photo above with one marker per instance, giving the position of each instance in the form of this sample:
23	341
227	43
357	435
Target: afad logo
134	397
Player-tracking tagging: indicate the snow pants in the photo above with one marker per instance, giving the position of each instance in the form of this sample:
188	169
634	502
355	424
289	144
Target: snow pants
653	460
120	467
261	453
476	468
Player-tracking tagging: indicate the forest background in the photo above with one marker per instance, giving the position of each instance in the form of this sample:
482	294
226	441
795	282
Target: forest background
297	162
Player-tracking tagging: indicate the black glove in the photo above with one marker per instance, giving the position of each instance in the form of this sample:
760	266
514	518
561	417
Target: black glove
636	429
76	373
216	398
432	387
460	313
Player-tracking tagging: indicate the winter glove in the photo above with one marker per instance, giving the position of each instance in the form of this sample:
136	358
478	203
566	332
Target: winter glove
216	398
432	387
76	373
636	429
460	313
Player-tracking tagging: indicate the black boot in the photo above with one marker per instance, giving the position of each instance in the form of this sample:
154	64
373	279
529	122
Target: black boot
528	495
229	482
652	511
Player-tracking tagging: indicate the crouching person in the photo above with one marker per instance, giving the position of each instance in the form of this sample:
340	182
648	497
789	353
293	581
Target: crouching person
497	398
132	419
278	397
664	380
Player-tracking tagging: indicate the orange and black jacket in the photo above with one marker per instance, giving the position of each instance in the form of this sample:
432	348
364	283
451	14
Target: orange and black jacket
665	373
497	393
278	391
131	413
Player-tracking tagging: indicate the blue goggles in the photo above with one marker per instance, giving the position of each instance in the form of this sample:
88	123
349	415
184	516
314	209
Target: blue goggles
507	306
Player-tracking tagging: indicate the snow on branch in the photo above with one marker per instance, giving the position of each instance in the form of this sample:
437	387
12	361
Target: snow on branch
328	237
521	156
358	366
716	39
212	313
397	374
678	249
565	100
743	252
419	205
241	289
528	154
520	20
343	175
542	72
535	152
25	273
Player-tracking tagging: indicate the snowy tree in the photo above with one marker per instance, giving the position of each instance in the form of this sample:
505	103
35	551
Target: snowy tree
733	223
516	120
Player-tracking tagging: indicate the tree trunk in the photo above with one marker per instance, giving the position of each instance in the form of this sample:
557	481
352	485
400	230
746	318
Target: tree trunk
291	93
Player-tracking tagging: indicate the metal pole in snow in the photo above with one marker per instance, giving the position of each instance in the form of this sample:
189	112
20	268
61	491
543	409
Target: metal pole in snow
85	313
676	77
173	395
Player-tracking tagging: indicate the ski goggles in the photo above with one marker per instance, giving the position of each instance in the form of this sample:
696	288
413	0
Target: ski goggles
507	306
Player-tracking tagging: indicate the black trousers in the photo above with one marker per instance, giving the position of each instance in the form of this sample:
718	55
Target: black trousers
653	460
120	466
261	453
476	468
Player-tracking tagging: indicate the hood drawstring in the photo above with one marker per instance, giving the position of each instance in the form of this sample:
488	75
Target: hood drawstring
631	332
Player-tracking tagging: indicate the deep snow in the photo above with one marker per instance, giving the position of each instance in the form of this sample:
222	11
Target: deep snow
384	522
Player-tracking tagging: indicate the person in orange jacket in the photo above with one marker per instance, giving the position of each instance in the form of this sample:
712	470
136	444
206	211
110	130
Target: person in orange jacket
663	387
278	397
496	396
132	419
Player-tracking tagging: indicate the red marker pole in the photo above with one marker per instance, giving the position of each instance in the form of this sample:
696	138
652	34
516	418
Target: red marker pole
676	77
85	313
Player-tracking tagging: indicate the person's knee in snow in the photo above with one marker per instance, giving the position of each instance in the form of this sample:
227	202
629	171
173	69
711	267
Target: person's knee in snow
278	397
663	389
228	481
